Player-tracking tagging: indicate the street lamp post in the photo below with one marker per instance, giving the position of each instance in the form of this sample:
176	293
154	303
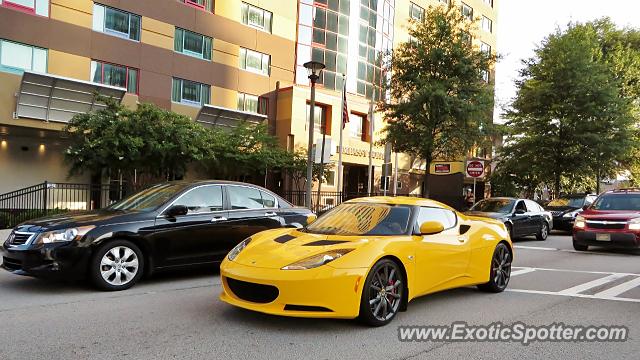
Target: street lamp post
314	69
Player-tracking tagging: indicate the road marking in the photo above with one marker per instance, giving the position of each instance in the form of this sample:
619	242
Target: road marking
539	292
591	284
521	271
577	271
590	252
535	248
619	289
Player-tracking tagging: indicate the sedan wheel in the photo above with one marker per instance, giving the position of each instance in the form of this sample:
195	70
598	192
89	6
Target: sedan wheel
382	294
543	232
117	265
500	272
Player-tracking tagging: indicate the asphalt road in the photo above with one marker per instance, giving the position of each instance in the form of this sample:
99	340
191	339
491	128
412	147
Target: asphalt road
179	316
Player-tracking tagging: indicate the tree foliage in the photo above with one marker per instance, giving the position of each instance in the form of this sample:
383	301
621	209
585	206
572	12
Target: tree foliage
573	117
441	104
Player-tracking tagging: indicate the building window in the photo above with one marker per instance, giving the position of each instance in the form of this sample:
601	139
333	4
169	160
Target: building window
254	61
356	125
485	76
489	2
206	5
253	103
256	17
319	116
467	11
190	92
446	2
115	75
416	12
16	57
330	178
192	44
116	22
37	7
485	48
487	24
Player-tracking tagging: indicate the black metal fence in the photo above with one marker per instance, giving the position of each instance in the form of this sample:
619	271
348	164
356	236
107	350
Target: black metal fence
50	198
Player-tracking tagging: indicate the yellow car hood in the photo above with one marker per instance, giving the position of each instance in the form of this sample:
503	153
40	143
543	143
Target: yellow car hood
275	249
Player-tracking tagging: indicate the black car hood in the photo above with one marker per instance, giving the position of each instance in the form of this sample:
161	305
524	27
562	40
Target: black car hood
561	208
493	215
96	218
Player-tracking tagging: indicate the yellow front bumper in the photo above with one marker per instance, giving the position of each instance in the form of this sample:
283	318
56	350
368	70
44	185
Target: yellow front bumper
323	292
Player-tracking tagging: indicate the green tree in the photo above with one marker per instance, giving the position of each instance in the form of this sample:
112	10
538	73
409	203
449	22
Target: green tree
441	104
570	117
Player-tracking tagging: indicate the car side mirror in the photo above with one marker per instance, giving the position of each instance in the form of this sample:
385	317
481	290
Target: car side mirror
585	207
311	218
177	210
431	228
520	212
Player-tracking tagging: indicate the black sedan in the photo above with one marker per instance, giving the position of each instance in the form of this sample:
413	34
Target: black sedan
522	217
565	209
164	227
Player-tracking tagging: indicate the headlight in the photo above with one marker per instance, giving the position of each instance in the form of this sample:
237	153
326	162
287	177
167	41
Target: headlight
238	248
634	224
317	260
63	235
579	222
571	214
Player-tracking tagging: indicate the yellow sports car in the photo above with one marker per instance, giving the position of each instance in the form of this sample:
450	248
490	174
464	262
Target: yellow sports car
366	258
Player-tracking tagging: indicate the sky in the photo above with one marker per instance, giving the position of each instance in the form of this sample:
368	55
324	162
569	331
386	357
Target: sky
523	24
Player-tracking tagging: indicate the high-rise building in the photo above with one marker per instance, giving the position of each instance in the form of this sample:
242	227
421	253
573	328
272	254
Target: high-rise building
215	61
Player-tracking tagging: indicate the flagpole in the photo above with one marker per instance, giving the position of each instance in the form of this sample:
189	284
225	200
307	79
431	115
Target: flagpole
371	129
344	94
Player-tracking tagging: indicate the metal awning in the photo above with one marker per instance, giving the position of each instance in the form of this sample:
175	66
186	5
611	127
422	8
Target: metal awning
56	98
224	117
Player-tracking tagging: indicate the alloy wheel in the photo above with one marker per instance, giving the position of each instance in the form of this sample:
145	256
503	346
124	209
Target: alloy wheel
385	292
119	265
501	267
544	232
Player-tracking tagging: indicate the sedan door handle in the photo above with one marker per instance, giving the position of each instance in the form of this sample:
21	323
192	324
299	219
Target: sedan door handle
462	238
270	213
218	218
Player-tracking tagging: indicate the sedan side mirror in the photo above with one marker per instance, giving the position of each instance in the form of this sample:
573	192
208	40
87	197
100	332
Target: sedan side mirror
585	207
520	212
431	228
311	218
177	210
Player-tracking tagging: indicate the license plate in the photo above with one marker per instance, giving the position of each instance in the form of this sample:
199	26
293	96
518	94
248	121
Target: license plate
603	237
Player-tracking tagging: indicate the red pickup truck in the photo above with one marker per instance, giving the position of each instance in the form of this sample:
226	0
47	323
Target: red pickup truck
613	220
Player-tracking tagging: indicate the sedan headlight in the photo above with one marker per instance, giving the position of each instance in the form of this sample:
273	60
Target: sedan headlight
238	248
634	224
571	214
317	260
63	235
580	223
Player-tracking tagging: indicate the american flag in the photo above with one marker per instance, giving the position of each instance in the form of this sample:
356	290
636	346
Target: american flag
345	111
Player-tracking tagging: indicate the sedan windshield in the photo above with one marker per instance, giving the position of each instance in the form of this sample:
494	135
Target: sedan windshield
564	202
628	202
494	205
150	198
363	219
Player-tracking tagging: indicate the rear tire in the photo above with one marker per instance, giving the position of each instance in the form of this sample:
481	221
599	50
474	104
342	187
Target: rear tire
579	247
116	265
543	233
500	270
382	294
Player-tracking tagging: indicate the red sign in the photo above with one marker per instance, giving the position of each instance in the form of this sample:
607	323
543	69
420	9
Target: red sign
442	168
475	169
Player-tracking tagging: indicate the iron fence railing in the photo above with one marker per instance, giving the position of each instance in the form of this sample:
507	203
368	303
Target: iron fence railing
52	198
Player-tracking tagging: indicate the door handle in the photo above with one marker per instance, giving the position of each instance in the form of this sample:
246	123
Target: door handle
218	218
462	239
270	213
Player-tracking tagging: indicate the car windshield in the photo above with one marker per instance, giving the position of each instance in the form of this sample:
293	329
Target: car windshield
494	205
629	202
363	219
148	199
567	202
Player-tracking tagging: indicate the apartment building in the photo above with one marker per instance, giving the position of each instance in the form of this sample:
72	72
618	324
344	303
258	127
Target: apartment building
216	61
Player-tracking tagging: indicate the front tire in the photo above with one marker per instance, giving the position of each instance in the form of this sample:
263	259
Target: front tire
116	265
579	247
543	233
382	294
500	271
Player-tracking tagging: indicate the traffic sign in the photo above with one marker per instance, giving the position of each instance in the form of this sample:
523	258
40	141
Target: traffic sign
475	169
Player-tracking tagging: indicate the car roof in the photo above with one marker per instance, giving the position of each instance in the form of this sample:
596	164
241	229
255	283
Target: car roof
212	182
623	191
400	200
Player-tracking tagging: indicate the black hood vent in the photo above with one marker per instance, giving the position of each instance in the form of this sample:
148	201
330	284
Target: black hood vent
325	242
284	238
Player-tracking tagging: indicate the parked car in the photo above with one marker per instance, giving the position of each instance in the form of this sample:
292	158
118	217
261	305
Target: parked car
613	220
565	209
522	217
357	260
163	227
